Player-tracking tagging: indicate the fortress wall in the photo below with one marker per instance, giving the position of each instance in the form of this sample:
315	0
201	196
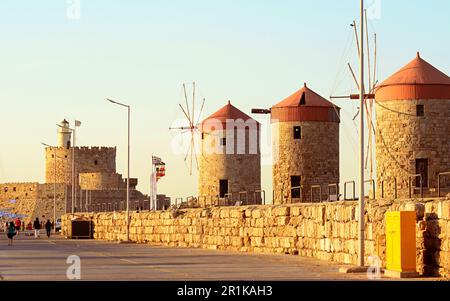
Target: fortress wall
327	231
87	160
99	181
32	199
17	191
37	200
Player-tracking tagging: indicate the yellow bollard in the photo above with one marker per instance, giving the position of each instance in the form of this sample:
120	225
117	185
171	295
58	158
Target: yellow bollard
401	244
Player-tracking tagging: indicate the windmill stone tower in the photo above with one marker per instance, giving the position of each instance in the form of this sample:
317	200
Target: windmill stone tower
230	158
413	122
305	146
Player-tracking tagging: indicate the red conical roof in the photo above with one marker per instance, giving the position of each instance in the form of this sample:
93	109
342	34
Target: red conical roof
311	98
417	80
305	105
228	112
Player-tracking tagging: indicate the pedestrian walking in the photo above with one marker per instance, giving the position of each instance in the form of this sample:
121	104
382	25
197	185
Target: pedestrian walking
17	224
48	228
37	227
11	233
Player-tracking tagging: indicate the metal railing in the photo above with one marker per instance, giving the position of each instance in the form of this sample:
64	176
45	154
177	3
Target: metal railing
217	198
227	197
336	185
176	201
241	193
259	196
441	174
261	193
200	198
410	178
383	190
345	190
312	192
191	201
372	181
300	190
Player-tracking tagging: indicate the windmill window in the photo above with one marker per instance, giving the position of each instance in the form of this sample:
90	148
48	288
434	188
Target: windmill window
303	100
420	110
203	136
295	186
53	156
14	189
96	162
297	132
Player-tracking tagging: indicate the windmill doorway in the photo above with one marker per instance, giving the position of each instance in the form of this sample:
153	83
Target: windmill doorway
223	188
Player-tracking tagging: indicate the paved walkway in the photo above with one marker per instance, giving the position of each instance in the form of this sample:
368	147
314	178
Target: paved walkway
45	259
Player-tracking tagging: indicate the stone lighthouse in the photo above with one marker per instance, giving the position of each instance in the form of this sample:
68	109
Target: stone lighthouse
413	130
305	144
230	157
64	134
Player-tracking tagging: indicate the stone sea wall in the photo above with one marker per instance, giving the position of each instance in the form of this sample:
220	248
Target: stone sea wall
327	231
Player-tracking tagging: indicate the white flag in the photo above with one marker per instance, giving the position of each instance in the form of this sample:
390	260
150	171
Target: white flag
77	123
156	160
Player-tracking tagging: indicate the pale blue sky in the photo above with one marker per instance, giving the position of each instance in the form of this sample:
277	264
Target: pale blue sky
253	52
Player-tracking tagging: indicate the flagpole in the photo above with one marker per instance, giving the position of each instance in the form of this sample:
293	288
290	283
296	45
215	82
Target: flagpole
361	145
151	187
73	171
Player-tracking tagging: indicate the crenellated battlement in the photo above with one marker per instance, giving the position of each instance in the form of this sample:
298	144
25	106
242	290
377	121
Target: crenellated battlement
84	148
96	148
88	159
19	184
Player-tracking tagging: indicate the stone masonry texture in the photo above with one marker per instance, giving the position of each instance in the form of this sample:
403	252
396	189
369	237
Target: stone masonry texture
314	157
241	166
327	231
87	160
404	137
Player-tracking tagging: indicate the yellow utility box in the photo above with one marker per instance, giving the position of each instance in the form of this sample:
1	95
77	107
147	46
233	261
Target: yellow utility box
401	244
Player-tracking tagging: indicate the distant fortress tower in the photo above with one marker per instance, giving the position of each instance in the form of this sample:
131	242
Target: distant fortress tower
305	144
87	159
413	124
230	158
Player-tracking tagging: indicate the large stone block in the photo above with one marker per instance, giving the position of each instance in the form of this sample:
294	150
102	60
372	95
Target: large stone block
280	211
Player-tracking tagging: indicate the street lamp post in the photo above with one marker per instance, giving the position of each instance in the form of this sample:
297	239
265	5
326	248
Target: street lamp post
128	168
54	185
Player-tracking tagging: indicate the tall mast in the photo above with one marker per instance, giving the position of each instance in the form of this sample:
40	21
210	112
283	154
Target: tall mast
361	143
